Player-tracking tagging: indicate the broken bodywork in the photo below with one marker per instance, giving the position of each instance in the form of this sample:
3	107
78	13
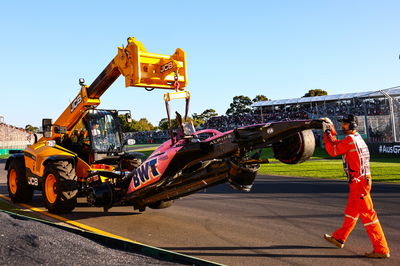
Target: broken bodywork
206	158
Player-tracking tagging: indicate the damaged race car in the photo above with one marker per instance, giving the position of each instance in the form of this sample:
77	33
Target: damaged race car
194	160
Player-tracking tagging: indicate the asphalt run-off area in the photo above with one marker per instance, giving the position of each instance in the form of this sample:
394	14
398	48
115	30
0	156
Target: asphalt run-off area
280	222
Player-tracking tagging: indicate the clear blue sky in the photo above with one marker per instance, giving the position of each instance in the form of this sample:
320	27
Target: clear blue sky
277	48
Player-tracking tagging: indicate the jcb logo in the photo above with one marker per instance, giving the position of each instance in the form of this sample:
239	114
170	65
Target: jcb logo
76	102
166	67
33	181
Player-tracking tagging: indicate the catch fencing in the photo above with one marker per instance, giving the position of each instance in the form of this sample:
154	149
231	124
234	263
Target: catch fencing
378	115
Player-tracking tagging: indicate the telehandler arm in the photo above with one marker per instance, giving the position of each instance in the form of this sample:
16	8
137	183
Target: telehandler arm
140	69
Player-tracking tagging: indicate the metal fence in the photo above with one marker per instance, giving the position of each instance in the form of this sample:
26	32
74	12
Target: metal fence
378	116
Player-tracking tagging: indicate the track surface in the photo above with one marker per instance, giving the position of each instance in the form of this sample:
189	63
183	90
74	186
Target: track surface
281	222
26	242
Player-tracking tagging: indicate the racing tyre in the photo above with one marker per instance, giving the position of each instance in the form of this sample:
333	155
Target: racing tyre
60	187
18	188
295	149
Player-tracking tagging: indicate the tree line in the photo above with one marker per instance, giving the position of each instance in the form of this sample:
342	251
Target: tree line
240	105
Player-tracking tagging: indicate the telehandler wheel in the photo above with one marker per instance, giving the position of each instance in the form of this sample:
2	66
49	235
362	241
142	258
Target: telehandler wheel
58	176
18	188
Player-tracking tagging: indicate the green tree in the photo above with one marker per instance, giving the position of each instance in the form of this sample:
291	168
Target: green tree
260	98
196	116
197	120
240	105
125	126
31	128
316	92
163	124
208	113
142	125
203	117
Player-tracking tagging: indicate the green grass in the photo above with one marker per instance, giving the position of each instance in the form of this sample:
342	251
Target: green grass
332	169
319	153
323	166
141	145
4	156
146	149
145	152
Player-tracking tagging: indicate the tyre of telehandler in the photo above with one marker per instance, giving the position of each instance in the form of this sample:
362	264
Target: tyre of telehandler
18	188
56	198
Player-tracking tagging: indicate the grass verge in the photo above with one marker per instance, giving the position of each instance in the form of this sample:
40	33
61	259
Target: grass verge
332	169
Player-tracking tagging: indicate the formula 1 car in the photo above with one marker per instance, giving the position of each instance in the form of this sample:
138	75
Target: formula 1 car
194	160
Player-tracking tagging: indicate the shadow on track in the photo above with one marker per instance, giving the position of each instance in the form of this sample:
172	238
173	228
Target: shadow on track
259	252
80	214
273	184
248	248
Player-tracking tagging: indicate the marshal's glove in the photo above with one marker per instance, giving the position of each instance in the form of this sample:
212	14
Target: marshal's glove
327	120
327	126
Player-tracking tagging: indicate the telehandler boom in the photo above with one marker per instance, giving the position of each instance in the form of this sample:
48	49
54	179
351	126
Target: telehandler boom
139	68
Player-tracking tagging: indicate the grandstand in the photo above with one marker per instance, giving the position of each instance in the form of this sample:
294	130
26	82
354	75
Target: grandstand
12	137
378	115
378	112
148	137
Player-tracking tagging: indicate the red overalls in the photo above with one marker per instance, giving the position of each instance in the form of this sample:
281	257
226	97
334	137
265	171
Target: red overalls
356	165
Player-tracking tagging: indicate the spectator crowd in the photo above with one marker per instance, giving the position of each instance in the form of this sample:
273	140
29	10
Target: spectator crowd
378	109
145	137
12	137
370	107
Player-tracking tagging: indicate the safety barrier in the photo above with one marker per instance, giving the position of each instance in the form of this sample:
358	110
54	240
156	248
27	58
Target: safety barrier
14	145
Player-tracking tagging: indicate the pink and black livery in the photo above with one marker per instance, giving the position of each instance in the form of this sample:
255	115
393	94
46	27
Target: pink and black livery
194	160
